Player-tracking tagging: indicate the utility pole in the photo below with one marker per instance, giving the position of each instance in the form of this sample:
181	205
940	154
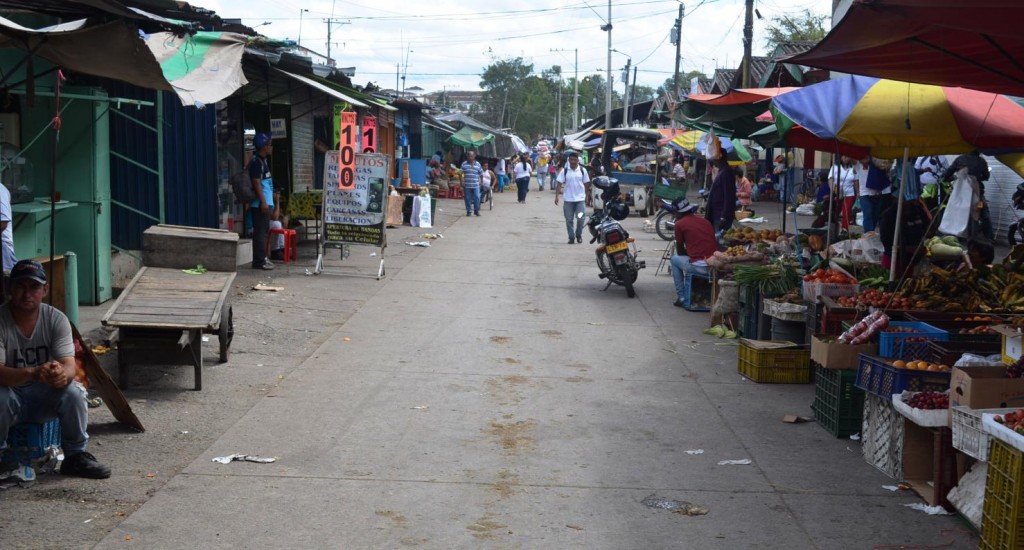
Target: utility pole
632	94
625	93
748	39
677	34
332	21
575	86
607	27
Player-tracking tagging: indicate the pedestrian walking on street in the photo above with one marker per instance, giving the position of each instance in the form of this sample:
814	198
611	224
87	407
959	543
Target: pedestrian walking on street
262	206
499	169
572	182
522	170
842	180
542	170
471	176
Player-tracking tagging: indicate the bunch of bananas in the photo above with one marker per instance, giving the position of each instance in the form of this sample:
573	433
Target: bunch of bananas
721	331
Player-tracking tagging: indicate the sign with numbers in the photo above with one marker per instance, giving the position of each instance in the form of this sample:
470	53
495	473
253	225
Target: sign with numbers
356	215
347	151
369	134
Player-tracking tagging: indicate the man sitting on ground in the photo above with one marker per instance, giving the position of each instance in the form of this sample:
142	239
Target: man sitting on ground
38	369
695	243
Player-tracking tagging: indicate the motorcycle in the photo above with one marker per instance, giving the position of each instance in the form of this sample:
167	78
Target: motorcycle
616	255
1015	234
665	222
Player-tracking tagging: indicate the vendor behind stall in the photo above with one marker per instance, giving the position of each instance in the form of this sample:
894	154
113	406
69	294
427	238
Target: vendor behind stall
916	220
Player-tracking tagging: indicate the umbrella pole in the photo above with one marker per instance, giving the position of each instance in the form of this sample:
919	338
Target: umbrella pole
832	202
785	198
899	216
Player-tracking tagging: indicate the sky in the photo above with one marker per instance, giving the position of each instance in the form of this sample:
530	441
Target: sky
446	44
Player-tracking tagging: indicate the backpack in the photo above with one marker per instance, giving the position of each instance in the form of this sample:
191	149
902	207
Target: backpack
241	185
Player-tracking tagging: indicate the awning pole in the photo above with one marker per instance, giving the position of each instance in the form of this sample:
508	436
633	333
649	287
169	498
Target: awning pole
899	216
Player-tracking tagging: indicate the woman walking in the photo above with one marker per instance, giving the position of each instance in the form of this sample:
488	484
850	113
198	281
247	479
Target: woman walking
522	170
843	182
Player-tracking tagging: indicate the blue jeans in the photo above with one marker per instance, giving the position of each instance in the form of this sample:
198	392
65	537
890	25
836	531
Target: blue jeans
472	197
502	182
38	402
541	177
575	211
871	206
680	267
522	186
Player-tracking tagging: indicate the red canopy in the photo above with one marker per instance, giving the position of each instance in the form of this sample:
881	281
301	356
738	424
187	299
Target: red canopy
961	43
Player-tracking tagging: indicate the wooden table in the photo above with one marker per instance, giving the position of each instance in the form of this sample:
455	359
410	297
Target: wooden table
162	315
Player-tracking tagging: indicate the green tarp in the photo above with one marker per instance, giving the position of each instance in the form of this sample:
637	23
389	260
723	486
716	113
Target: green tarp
468	137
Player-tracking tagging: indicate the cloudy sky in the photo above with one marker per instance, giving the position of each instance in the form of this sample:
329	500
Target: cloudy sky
447	43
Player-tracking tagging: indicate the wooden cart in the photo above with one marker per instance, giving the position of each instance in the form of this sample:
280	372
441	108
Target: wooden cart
162	315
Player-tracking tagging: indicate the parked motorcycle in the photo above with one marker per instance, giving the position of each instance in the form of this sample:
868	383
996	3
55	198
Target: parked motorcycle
1015	234
616	255
665	222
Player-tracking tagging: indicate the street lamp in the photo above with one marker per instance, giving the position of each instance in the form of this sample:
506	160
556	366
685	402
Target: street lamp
302	11
575	86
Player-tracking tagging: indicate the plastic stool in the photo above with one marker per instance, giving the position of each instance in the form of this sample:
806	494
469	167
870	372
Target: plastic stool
28	441
455	192
699	298
291	243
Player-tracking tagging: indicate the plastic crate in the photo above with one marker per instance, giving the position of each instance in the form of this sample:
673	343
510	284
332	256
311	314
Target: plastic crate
831	317
28	441
790	365
813	290
896	346
968	435
699	298
881	436
948	353
876	376
838	404
784	311
1002	519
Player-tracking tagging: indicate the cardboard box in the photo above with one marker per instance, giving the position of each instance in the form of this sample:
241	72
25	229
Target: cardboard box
1011	342
985	388
838	356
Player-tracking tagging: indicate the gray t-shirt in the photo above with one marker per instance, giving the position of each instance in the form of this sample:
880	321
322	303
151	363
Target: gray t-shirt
50	340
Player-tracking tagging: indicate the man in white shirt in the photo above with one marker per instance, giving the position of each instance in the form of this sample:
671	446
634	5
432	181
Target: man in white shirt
572	181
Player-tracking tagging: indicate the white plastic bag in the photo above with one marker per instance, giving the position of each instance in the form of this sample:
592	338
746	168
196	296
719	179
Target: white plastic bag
420	212
960	209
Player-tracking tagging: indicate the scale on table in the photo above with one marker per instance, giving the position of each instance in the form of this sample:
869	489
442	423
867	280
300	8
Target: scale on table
16	173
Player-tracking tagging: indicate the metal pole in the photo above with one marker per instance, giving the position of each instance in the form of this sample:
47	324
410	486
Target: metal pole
576	90
675	78
625	94
608	92
632	95
162	214
748	39
899	216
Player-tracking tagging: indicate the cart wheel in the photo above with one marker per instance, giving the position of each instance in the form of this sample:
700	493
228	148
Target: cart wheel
226	332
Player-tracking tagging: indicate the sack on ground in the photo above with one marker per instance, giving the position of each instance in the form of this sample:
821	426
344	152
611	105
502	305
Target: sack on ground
728	298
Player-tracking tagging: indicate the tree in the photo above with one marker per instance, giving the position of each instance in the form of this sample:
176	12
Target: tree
684	82
642	93
807	26
502	82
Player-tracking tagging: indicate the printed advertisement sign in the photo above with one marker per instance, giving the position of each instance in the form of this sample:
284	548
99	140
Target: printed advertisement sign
356	215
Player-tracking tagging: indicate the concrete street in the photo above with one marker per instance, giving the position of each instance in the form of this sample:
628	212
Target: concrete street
487	393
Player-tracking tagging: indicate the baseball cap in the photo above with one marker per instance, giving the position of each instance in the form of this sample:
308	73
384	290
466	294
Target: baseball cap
684	206
260	141
28	269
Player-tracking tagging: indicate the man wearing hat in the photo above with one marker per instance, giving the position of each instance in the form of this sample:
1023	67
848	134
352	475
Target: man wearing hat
695	243
263	204
38	370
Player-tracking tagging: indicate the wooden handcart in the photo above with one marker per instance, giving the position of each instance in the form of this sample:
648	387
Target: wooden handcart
162	315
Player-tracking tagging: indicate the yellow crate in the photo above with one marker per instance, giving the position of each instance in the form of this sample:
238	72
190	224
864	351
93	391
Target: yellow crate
790	365
1002	520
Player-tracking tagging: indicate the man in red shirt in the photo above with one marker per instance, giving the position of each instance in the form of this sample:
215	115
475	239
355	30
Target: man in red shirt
695	243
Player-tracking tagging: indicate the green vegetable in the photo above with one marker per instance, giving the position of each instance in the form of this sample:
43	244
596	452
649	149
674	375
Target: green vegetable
774	279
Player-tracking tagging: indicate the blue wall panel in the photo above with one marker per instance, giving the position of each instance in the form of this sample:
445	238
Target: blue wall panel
190	185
